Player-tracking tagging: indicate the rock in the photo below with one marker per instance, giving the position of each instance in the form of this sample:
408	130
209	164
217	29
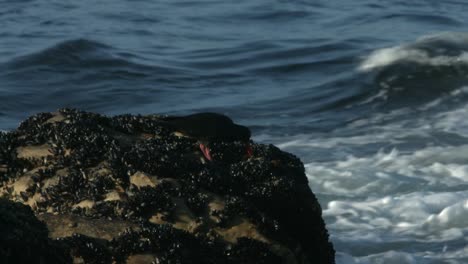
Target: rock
128	189
24	239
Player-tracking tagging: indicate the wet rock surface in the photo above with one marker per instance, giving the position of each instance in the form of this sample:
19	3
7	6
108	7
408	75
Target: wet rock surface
128	189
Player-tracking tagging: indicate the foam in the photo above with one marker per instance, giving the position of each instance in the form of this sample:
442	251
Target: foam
391	172
439	211
390	257
392	199
344	258
387	56
455	215
453	121
393	185
409	53
445	255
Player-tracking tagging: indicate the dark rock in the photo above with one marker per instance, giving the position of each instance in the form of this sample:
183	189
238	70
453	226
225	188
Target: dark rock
24	239
130	189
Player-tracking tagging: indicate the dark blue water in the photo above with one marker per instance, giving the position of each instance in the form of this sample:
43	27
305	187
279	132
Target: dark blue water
371	95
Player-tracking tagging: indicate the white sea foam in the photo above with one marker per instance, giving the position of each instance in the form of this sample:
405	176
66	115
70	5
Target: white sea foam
455	215
411	213
399	222
453	121
395	199
389	203
389	257
388	56
391	172
415	53
394	185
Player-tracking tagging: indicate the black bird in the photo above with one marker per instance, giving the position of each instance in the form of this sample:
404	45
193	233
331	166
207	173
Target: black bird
210	127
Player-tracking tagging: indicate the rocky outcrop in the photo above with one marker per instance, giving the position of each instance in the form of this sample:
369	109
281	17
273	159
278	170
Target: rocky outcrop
127	189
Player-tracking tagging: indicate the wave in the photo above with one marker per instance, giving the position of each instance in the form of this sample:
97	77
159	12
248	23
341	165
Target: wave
84	74
319	78
445	49
82	55
429	73
411	74
402	83
69	52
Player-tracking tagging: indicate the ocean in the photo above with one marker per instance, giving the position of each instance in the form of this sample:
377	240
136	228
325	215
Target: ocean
371	95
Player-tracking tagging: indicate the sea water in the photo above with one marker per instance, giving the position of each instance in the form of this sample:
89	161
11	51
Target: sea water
371	95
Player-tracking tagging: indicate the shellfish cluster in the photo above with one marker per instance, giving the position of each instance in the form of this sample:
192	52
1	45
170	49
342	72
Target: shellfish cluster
127	189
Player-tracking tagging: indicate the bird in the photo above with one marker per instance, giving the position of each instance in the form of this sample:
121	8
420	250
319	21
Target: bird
209	127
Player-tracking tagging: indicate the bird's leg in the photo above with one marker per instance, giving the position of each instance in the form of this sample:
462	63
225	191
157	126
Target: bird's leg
206	151
249	150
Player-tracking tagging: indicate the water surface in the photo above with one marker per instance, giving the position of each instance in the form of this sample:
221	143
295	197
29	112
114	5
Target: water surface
371	95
